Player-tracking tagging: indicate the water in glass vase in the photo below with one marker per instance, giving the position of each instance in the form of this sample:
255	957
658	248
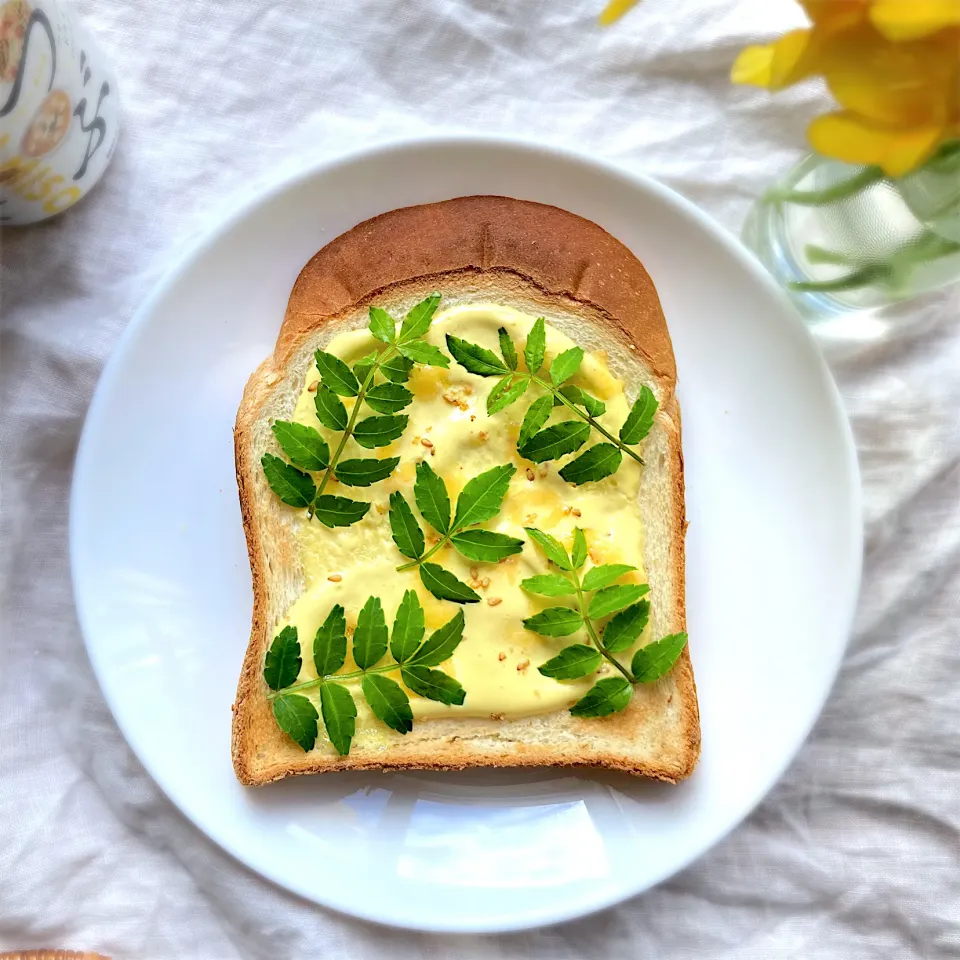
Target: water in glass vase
843	238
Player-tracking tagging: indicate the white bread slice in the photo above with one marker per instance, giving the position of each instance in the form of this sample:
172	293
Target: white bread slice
543	261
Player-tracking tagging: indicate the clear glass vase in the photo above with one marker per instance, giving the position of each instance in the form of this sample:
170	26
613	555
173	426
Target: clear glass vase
842	238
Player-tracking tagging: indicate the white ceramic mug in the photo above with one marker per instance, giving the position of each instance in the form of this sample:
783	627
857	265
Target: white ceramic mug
59	110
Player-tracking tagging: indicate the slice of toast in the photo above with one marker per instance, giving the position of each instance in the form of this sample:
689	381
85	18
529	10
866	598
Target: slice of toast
543	261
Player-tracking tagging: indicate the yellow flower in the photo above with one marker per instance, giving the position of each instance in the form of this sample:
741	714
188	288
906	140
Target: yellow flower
892	65
615	9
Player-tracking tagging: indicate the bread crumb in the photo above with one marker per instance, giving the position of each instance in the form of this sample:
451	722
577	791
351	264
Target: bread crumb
382	508
522	665
496	716
483	434
529	519
485	582
501	657
494	601
594	556
272	378
542	470
605	668
313	386
472	417
529	474
335	578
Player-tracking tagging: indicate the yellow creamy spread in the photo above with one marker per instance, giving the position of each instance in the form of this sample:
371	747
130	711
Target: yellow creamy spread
497	660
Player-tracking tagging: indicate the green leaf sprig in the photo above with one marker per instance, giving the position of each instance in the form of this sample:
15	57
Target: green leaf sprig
297	715
629	618
538	441
479	501
308	452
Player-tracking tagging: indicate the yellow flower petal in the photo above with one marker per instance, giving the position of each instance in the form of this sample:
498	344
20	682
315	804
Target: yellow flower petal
910	19
904	84
833	15
776	65
615	9
854	139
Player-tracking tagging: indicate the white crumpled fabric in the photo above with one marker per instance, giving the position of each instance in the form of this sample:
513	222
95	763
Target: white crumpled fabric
854	856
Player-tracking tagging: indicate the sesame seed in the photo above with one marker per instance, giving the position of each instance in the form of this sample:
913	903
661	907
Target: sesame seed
522	665
474	572
485	582
334	578
576	512
494	601
427	443
313	386
529	474
483	434
501	657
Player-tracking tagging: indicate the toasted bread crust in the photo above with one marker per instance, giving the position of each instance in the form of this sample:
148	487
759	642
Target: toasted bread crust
467	240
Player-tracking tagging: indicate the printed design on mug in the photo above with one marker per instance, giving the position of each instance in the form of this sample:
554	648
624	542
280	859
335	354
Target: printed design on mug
49	125
14	17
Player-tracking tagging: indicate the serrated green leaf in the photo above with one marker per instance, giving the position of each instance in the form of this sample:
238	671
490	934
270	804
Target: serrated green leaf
362	368
408	628
474	358
407	534
507	349
579	552
339	511
417	322
536	345
440	645
336	374
556	441
330	643
555	622
553	549
573	662
330	409
297	718
388	702
433	684
303	445
625	628
293	487
339	716
538	413
566	365
361	473
640	419
282	666
379	431
599	577
382	325
611	599
548	585
507	391
655	659
481	498
370	636
600	461
591	404
485	546
603	698
425	353
445	586
397	369
433	502
388	397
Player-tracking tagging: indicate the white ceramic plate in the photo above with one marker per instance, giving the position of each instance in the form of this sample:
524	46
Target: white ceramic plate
163	587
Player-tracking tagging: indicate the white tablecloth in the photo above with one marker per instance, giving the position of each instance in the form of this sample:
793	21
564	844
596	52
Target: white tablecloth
856	854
